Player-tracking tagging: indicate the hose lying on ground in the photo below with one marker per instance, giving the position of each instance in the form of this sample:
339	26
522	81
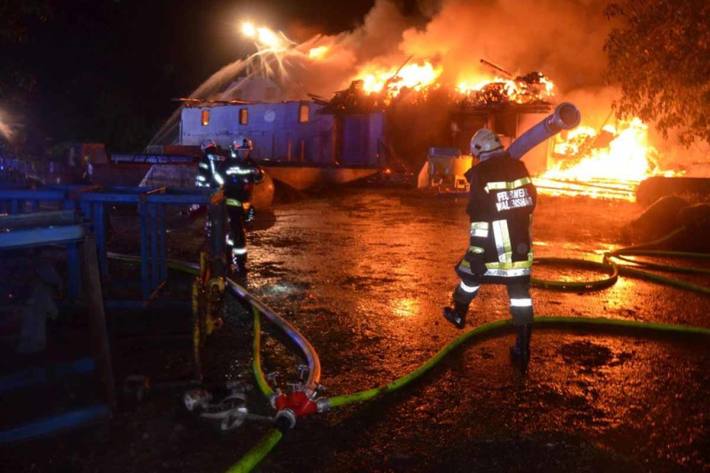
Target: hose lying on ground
649	249
261	382
498	326
271	439
314	367
256	454
578	286
615	270
635	269
259	452
309	352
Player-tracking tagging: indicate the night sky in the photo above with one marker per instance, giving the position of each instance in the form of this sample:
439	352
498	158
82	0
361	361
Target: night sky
106	70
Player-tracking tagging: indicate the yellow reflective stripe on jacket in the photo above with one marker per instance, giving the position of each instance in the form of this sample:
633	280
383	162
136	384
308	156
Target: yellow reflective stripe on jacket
508	185
233	203
477	250
479	229
502	240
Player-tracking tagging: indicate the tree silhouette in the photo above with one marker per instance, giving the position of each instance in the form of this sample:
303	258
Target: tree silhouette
659	52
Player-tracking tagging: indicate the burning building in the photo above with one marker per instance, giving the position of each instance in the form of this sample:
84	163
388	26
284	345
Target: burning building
405	88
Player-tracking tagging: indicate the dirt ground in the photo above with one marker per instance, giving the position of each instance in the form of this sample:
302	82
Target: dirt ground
363	273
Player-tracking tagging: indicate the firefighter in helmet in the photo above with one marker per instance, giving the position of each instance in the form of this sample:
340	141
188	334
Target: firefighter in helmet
208	168
501	203
240	173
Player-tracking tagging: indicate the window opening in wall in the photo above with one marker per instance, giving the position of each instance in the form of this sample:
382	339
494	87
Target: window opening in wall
243	116
303	113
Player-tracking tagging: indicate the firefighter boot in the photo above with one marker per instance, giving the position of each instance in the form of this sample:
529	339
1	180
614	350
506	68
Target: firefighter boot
456	314
250	214
238	268
520	352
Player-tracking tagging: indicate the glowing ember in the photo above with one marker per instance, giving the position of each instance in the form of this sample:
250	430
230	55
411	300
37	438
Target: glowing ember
412	76
318	52
608	164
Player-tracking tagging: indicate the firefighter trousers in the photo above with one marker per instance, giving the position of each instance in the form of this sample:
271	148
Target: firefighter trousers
521	308
236	237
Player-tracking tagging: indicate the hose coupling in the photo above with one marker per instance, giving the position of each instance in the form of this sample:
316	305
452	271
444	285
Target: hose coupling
323	404
285	420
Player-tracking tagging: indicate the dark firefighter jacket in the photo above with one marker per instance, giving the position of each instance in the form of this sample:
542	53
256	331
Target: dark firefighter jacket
208	170
502	200
240	175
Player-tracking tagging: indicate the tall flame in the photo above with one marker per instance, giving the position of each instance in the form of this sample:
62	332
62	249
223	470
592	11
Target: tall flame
526	89
602	163
609	163
413	76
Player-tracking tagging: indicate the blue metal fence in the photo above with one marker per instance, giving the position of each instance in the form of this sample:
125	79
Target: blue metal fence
94	202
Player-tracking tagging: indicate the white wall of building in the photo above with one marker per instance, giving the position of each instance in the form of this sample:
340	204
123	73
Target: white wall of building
274	127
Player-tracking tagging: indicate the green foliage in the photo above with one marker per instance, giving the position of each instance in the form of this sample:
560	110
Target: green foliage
659	52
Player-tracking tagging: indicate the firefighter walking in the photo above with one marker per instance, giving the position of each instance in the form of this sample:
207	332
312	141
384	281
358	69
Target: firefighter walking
501	203
239	173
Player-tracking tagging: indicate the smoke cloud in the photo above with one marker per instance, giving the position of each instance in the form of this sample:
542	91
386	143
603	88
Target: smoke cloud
561	38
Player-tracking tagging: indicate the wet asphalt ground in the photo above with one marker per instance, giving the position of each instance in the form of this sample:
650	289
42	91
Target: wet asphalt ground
363	273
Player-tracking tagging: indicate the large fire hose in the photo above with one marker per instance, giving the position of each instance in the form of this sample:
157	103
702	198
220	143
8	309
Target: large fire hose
565	117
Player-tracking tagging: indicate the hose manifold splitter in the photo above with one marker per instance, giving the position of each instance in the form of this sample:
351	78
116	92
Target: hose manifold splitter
299	402
229	411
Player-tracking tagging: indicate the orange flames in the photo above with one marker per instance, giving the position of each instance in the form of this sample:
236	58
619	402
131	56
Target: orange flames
391	81
606	163
609	163
475	90
534	87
